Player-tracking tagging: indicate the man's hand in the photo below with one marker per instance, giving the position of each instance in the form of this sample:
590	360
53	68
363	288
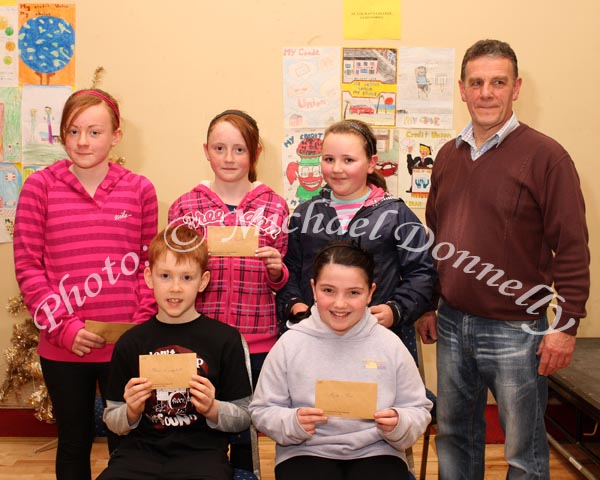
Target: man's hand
427	327
556	352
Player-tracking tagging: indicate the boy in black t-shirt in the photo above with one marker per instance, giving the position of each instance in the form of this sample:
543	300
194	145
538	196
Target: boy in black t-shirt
179	433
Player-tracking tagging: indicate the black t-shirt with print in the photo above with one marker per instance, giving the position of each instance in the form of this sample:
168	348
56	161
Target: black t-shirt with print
170	422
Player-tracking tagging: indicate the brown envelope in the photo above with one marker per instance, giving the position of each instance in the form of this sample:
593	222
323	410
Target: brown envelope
232	241
346	399
168	371
109	331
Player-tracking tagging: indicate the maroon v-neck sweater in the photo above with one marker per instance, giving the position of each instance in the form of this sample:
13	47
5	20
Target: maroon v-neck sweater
507	226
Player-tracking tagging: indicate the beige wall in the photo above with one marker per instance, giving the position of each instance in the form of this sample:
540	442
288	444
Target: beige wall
175	65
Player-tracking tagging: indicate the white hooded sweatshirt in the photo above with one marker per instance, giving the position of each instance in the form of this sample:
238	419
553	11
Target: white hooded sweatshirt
312	351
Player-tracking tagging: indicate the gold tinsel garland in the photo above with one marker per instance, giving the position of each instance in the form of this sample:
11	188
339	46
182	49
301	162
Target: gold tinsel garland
23	364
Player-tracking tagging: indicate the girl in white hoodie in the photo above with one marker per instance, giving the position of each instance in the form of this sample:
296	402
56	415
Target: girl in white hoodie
341	340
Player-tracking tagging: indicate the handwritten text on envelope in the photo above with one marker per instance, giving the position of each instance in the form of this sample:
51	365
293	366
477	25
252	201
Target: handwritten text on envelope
346	399
168	371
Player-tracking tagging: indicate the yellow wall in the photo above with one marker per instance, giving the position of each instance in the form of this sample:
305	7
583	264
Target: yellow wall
174	65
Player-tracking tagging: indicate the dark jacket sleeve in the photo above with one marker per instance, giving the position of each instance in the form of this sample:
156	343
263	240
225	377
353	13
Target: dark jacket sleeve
414	293
291	293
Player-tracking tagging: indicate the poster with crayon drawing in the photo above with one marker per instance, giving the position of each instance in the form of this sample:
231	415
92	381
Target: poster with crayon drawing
418	149
425	87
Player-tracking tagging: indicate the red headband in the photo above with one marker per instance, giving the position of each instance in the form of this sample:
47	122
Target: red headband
108	101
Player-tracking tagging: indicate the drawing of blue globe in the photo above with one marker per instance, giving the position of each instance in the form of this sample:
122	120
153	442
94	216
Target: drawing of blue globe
46	44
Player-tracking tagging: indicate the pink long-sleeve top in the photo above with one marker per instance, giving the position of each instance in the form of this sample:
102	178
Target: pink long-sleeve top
240	292
80	258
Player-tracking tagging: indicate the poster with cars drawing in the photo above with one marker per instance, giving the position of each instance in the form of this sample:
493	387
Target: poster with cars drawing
388	152
369	85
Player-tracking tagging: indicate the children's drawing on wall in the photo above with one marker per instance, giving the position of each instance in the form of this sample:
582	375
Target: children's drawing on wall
8	47
414	163
418	149
388	151
10	125
301	158
29	169
423	83
10	185
46	44
425	87
311	90
369	85
41	109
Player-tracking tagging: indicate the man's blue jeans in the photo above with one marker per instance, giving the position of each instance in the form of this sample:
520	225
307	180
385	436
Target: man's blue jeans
474	354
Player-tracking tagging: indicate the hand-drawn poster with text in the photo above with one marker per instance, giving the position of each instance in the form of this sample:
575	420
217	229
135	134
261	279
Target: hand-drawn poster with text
41	109
46	44
301	161
425	87
311	90
388	152
8	47
369	85
418	149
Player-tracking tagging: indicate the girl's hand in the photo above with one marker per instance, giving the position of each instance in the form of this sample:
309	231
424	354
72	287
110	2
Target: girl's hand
85	341
137	391
203	397
384	315
272	260
309	418
298	308
386	420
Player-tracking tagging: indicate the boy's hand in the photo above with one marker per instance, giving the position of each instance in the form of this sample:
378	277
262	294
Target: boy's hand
386	420
137	391
85	341
203	397
309	418
272	260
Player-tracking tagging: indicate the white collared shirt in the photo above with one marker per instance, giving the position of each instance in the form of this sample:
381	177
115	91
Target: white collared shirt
494	141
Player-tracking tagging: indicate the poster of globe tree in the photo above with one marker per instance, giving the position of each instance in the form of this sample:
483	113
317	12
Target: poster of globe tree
46	44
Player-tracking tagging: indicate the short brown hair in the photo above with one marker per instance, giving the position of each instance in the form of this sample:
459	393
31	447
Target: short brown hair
185	243
82	100
489	48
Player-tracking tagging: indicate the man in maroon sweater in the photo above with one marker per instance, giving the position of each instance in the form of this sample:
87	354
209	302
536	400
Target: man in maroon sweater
507	222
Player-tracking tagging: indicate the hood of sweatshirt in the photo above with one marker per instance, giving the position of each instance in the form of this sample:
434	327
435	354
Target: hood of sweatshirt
61	173
258	189
377	195
315	327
